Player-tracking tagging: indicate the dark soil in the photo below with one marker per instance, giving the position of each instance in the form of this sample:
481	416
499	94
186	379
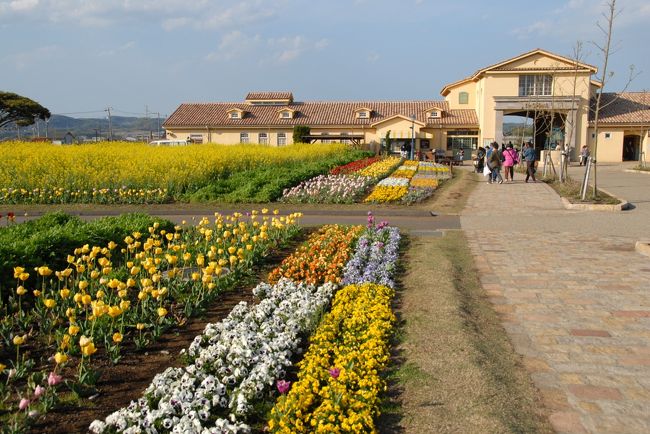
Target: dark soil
120	384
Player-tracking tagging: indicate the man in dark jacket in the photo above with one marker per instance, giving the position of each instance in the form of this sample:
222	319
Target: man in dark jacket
529	157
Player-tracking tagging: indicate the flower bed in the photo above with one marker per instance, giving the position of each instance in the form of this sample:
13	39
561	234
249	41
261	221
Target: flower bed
321	258
381	168
328	189
109	295
375	257
232	368
339	381
354	166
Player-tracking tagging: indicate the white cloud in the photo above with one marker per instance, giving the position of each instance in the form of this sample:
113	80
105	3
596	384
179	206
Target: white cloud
171	14
112	52
29	59
233	45
236	44
373	57
22	5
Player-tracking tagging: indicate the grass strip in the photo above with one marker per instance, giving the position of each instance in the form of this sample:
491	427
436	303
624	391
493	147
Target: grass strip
455	369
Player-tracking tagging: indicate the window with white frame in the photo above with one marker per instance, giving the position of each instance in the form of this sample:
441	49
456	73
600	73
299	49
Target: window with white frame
263	138
285	115
535	85
282	138
434	114
463	98
234	115
243	138
363	114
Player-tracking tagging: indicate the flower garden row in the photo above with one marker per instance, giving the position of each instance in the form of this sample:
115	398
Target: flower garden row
122	172
107	296
410	182
237	378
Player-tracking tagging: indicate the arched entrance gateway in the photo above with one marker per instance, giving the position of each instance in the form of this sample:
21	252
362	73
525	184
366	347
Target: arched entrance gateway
551	119
631	147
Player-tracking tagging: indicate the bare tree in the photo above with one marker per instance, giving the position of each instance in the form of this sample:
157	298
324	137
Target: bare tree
606	49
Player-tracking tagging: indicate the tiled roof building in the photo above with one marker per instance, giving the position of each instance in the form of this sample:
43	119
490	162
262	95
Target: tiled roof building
550	91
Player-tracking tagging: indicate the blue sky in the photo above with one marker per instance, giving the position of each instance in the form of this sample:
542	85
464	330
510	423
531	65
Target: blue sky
77	56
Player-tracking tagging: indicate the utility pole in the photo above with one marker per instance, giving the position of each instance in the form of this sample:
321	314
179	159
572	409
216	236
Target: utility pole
158	129
110	124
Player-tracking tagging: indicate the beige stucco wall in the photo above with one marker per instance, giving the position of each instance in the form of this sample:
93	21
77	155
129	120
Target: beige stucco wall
231	137
452	97
610	150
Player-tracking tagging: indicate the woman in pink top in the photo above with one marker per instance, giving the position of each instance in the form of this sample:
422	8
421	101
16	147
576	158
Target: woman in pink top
511	157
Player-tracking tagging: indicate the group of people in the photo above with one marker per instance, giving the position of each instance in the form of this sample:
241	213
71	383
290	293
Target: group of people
490	161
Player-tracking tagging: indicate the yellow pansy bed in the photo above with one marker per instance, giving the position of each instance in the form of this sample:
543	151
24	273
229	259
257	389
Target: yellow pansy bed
424	183
339	380
386	193
403	174
381	168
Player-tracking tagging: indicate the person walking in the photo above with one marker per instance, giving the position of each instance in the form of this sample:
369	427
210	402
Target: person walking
529	156
480	159
510	159
584	154
495	163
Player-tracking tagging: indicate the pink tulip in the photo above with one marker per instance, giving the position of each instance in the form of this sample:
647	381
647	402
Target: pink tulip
334	373
283	386
39	391
24	404
53	379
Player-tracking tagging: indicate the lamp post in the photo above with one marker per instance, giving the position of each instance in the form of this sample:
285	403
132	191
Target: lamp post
412	137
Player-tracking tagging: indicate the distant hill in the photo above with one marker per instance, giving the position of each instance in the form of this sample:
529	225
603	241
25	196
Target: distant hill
59	125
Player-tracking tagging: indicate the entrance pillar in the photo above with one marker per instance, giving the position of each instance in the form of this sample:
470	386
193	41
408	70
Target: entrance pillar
498	126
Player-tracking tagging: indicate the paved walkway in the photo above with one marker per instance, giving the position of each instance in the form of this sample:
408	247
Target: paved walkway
574	297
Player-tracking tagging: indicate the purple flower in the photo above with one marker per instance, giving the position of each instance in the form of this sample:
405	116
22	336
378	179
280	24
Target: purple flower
283	386
334	373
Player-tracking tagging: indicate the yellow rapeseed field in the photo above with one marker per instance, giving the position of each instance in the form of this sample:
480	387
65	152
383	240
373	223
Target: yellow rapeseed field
142	167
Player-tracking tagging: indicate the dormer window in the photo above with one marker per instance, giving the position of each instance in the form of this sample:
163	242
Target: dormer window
287	113
235	113
363	113
434	113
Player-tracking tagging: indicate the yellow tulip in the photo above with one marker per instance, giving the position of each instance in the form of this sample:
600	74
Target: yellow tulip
88	350
86	299
162	311
21	290
73	330
18	271
65	293
44	271
23	276
19	340
114	311
140	326
2	367
125	304
49	303
117	337
60	358
36	293
83	284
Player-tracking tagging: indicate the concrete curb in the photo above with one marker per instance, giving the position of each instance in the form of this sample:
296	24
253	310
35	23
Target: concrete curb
622	206
643	172
643	247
